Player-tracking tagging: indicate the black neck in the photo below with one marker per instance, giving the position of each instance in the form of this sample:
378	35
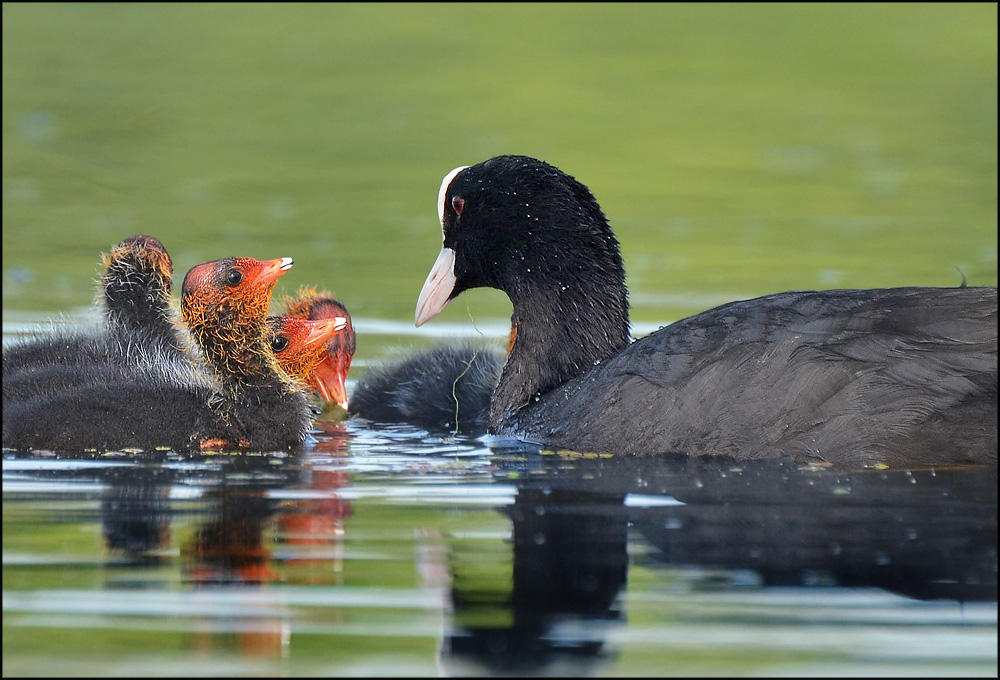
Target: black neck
561	333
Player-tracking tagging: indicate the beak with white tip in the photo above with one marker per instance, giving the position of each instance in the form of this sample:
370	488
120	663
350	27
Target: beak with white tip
438	287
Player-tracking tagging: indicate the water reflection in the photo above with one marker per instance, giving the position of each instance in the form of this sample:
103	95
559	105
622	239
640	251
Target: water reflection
259	540
570	561
925	534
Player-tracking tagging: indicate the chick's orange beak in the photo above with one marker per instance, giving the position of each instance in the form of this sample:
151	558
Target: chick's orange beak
269	271
321	330
330	378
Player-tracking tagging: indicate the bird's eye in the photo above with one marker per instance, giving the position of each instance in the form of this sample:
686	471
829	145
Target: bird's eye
457	204
278	343
234	277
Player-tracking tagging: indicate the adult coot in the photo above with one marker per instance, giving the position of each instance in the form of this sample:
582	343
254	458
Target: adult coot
899	377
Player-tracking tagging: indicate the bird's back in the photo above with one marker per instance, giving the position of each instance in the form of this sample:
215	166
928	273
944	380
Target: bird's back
904	376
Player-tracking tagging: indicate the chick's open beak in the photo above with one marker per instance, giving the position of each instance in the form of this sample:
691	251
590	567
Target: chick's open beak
330	378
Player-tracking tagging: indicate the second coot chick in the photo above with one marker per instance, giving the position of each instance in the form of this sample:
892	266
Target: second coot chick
898	377
224	304
329	377
444	388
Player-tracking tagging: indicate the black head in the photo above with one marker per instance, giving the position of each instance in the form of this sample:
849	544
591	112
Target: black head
136	283
525	227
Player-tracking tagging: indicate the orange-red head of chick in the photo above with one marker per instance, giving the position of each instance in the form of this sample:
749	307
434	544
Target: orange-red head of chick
300	345
224	304
329	377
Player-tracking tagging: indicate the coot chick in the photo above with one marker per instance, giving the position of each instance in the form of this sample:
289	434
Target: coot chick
138	325
135	293
898	377
444	388
224	304
136	316
301	345
329	378
105	406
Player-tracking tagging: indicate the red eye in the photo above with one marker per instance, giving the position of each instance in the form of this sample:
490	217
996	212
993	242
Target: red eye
457	204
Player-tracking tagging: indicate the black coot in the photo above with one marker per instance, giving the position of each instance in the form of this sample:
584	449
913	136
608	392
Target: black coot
899	377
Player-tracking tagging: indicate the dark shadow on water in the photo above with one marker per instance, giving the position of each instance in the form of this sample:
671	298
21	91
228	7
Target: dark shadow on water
925	534
576	525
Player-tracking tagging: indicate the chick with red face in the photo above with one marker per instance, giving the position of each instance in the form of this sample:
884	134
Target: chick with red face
329	377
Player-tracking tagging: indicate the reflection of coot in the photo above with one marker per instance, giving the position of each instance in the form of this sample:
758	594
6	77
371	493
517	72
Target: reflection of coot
927	534
570	563
135	513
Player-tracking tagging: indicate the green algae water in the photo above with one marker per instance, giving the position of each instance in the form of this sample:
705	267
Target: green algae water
737	150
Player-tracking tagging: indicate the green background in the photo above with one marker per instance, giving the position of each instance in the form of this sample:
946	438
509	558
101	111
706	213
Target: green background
737	149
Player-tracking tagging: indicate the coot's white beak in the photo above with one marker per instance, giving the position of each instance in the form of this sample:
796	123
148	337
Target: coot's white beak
437	288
